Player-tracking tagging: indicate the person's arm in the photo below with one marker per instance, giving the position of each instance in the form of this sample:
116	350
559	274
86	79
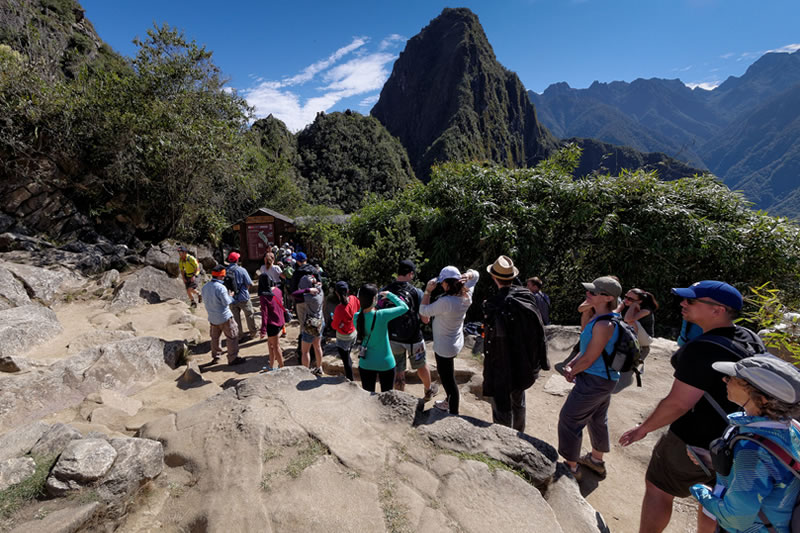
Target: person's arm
635	313
749	483
601	334
471	278
680	399
400	308
300	292
225	294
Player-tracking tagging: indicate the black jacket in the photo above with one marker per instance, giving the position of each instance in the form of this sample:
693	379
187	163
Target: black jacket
515	345
299	273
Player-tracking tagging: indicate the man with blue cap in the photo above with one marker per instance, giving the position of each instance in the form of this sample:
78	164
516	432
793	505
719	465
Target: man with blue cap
690	408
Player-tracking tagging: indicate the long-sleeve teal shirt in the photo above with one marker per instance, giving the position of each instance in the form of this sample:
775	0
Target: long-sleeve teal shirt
379	353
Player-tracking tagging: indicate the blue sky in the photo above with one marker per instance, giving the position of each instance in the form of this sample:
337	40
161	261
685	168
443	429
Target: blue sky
293	59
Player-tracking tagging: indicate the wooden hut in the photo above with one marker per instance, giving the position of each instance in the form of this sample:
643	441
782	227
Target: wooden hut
260	230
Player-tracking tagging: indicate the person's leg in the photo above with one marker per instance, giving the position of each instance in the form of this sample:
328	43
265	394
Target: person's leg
705	524
249	315
368	378
232	334
656	509
417	358
518	410
317	343
237	315
305	347
424	374
574	414
346	362
399	352
386	378
301	318
262	300
215	331
597	426
501	410
447	376
278	351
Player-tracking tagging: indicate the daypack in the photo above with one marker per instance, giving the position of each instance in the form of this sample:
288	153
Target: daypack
405	328
627	354
230	280
722	454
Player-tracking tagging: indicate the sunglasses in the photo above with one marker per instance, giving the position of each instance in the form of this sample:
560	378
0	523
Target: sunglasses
628	298
692	301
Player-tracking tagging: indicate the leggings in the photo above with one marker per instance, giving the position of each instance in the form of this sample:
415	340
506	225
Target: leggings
368	378
447	376
348	365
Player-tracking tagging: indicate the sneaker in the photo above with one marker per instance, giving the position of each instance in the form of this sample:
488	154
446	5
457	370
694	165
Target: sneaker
317	371
214	359
193	305
589	462
430	393
199	298
577	473
444	405
237	361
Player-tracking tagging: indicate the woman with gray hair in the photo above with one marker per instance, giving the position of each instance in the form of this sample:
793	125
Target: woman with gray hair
756	460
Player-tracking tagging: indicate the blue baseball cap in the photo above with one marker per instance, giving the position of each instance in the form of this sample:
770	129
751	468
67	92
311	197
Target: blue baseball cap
719	291
301	256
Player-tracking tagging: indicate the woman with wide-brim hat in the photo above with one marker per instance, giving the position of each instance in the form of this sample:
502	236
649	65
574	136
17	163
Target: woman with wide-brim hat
448	311
755	487
587	403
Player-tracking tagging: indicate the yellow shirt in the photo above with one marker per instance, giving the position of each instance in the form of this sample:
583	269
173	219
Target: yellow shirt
189	266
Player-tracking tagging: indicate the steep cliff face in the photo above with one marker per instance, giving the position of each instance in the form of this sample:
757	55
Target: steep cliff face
448	98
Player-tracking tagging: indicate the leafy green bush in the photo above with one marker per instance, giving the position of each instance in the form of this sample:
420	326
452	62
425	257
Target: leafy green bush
768	311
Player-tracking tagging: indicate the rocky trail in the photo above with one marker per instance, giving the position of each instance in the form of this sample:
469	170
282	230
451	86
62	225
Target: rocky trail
145	442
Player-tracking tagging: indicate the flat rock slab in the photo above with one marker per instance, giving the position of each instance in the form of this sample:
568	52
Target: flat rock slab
68	520
13	471
112	398
12	291
22	328
557	385
99	337
54	440
19	442
574	513
46	285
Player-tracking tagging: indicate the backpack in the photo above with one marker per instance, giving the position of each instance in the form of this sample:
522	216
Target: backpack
528	336
722	454
627	354
230	280
405	328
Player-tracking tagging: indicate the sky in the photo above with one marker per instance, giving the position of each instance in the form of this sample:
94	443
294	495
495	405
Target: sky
295	59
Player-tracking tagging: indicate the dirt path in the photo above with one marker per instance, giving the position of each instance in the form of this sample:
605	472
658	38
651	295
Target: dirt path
618	497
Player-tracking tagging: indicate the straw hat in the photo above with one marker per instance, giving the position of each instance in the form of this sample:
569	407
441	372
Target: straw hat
503	268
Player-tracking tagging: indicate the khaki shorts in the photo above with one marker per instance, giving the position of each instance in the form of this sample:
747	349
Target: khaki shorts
415	351
671	470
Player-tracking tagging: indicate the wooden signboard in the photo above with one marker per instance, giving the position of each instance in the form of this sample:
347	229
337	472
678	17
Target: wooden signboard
258	238
260	220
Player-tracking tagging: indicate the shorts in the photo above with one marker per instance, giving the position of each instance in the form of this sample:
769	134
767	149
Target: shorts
415	351
190	283
273	331
308	334
671	470
345	342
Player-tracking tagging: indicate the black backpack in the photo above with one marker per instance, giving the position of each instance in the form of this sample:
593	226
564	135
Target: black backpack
230	280
405	328
627	354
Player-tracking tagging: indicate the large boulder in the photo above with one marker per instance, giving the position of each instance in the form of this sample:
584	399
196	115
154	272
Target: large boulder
12	291
22	328
148	285
83	461
16	470
138	461
574	513
45	285
20	441
125	366
54	440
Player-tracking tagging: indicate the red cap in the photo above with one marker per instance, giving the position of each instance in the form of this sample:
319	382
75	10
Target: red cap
233	257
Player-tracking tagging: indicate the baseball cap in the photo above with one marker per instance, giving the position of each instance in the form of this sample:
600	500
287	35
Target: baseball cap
182	249
769	374
301	256
406	266
341	287
719	291
233	257
449	272
606	285
218	271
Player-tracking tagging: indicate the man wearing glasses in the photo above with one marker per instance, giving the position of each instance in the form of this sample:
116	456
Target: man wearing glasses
693	421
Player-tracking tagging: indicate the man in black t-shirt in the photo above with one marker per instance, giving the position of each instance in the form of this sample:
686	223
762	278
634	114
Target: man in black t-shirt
712	305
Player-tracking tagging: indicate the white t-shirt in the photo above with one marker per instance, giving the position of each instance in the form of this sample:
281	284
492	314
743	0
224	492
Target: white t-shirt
448	324
274	272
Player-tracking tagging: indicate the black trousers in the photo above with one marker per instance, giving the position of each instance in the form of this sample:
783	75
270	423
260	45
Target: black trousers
509	411
348	364
447	375
368	378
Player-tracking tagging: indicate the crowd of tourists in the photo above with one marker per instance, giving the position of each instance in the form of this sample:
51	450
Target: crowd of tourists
731	439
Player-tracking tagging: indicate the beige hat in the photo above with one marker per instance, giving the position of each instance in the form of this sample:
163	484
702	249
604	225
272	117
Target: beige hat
604	285
503	268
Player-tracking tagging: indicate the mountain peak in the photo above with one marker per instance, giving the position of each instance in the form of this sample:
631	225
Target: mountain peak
449	99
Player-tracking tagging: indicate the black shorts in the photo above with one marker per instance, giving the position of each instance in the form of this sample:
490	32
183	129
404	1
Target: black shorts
190	283
671	470
273	331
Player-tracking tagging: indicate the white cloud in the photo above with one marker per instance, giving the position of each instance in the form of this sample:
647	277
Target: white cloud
296	100
391	41
684	69
706	85
788	49
369	101
728	55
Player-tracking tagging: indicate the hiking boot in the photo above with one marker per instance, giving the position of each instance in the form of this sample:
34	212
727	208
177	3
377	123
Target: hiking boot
444	405
589	462
193	305
430	393
199	298
237	361
317	371
577	473
214	359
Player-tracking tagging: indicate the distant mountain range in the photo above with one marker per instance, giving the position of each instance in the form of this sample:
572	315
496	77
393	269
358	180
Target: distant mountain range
746	131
